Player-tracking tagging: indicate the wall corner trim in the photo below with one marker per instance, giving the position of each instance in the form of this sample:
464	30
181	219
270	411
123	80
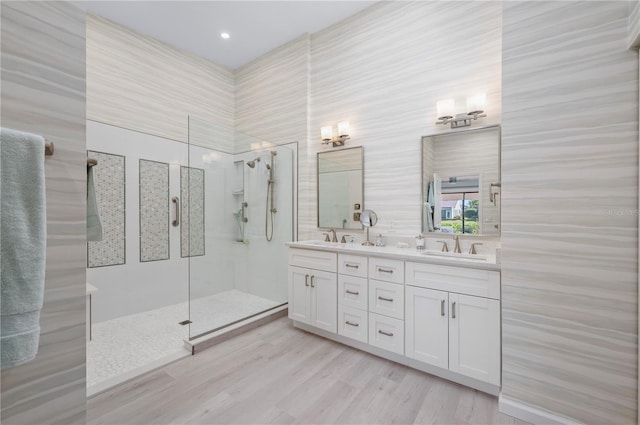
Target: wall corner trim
530	414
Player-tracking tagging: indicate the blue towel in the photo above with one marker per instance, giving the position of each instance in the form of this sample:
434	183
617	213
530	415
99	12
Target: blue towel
23	239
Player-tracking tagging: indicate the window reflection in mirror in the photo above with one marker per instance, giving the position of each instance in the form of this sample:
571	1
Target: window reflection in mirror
340	188
458	170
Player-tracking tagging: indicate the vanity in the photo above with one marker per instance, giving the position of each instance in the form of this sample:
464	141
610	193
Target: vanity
434	312
429	309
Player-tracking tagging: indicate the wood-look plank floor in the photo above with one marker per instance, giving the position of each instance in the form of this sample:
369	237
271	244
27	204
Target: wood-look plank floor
277	374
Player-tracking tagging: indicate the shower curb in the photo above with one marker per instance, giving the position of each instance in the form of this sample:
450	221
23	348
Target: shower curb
236	329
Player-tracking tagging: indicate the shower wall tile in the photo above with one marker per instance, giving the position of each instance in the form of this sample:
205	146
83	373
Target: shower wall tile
137	82
109	182
272	107
192	194
154	210
570	210
383	70
43	92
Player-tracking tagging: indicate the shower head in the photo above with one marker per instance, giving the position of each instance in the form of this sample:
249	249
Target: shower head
252	164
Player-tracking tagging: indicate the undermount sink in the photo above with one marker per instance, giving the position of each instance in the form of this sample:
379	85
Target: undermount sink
456	255
321	243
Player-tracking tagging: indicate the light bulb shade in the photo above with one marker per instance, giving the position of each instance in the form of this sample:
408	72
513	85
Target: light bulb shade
446	108
326	132
476	103
343	128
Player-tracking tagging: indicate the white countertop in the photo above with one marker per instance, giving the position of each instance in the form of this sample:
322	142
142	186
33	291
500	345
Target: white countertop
482	262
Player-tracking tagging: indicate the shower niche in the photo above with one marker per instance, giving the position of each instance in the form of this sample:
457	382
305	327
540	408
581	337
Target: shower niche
239	204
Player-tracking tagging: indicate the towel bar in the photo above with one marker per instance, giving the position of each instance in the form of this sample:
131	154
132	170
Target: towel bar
48	148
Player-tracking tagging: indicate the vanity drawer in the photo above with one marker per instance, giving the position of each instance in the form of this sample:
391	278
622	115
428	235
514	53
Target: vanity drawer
386	333
353	265
461	280
353	323
310	259
387	270
352	291
386	298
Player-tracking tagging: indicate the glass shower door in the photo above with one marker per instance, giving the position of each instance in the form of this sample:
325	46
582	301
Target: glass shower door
234	271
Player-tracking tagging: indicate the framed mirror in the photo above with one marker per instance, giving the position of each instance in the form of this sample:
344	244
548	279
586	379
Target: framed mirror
340	188
461	182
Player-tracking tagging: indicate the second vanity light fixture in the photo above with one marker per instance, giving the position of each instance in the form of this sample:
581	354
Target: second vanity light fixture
343	134
447	115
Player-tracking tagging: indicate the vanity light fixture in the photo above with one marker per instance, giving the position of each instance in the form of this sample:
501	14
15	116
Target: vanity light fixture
326	133
447	115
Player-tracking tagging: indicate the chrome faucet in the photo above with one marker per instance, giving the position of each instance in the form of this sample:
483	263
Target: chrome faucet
335	237
457	249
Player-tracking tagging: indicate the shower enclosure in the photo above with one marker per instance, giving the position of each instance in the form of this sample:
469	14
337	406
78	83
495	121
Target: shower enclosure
249	215
193	241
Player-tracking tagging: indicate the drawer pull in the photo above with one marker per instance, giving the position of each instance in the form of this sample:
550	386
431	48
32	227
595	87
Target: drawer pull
385	333
453	310
353	266
352	292
442	308
385	299
306	280
385	270
351	323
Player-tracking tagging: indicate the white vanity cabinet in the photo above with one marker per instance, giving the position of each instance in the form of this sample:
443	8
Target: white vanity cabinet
352	297
423	312
313	288
455	331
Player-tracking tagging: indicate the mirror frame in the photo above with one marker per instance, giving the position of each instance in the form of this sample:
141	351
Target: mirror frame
422	182
318	185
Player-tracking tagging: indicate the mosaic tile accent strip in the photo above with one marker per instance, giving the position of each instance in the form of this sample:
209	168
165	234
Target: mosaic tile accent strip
192	211
154	210
110	183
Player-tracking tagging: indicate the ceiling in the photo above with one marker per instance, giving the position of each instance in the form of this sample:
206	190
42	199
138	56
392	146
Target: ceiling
255	27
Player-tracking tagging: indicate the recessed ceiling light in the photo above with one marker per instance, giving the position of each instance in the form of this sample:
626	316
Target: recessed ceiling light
225	35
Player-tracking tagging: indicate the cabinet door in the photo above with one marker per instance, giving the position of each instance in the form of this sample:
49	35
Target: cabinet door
474	337
324	300
299	294
427	326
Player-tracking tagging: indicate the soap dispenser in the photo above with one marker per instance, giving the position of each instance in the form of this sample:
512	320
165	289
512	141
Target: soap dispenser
380	240
420	242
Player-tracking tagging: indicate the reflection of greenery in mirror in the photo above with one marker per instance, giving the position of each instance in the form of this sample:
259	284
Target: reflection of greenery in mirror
340	188
458	169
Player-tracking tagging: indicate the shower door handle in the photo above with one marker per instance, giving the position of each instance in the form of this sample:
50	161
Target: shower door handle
176	218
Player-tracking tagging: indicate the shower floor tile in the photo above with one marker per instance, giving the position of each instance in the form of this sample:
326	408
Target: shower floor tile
226	307
129	346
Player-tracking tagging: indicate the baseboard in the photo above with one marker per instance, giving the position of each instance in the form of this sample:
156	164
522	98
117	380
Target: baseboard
209	340
432	370
531	414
